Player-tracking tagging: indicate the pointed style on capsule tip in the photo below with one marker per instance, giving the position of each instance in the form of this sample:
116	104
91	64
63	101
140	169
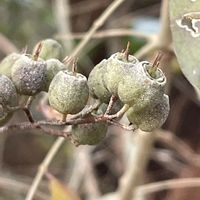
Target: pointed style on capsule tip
37	51
126	52
156	63
74	65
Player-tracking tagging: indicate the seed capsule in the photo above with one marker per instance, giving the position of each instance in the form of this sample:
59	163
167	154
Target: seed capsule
138	88
96	83
152	116
29	76
68	92
90	134
53	67
8	94
7	63
117	66
50	49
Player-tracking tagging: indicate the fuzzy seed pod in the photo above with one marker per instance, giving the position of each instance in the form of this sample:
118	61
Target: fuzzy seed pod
117	65
90	134
53	67
93	133
50	49
151	116
7	63
138	88
68	92
96	83
8	94
28	75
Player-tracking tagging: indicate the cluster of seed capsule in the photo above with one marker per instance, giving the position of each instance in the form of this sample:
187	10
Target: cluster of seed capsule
140	85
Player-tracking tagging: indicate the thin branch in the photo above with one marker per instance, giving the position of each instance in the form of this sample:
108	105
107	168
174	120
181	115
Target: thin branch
80	8
169	184
163	39
43	167
113	99
90	181
96	25
179	146
87	110
86	120
18	186
107	34
122	126
6	45
146	49
137	162
164	36
62	17
117	115
27	111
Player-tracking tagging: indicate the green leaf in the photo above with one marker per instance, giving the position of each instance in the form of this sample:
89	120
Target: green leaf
59	191
185	27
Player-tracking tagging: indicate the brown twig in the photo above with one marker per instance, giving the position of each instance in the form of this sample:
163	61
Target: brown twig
18	186
179	146
38	124
80	8
43	167
126	52
107	34
122	126
7	46
37	51
86	111
27	111
111	104
169	184
96	25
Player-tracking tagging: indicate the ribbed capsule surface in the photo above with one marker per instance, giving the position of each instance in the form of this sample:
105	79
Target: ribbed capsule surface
50	49
53	67
151	116
68	92
90	134
138	88
117	66
96	83
7	63
8	94
29	76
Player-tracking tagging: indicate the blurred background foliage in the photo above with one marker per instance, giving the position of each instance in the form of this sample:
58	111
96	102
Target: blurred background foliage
25	22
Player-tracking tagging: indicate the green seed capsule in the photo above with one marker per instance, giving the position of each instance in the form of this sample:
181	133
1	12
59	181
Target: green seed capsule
50	49
117	66
8	94
138	88
90	134
7	63
53	67
96	83
151	116
29	76
68	92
